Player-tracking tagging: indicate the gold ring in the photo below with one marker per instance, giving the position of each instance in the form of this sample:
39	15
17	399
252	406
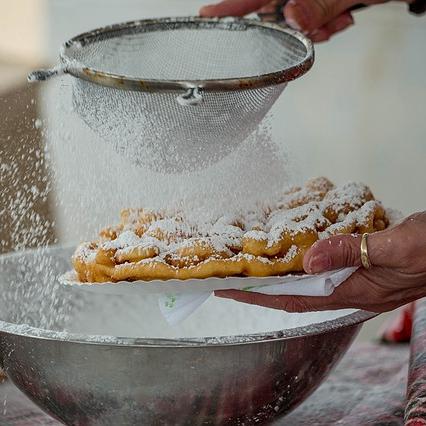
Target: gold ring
365	260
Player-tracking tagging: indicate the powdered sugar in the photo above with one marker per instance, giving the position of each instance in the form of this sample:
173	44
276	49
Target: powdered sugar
169	234
291	253
351	193
357	217
125	240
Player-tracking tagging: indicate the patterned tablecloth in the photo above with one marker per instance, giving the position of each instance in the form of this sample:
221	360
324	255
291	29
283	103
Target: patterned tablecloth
415	409
367	387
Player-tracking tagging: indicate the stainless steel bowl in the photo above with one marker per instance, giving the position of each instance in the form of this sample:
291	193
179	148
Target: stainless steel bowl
83	379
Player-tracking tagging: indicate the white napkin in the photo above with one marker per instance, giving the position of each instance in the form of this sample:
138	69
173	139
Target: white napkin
177	307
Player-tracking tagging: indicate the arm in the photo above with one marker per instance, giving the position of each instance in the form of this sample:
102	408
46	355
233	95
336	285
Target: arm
319	19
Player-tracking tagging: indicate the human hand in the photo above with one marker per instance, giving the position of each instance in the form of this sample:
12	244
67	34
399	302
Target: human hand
319	19
397	275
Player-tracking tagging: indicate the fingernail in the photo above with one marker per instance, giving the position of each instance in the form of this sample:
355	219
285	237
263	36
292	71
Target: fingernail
293	24
319	263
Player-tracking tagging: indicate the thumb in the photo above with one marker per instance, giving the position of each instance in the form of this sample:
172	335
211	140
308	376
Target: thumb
342	251
309	15
233	8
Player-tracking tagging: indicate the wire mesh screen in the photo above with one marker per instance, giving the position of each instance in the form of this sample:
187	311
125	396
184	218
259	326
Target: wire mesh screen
200	52
143	106
152	129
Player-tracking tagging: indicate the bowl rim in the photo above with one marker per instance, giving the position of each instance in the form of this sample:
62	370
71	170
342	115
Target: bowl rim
354	318
325	327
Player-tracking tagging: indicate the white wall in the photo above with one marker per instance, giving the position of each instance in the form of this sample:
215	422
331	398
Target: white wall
359	113
22	31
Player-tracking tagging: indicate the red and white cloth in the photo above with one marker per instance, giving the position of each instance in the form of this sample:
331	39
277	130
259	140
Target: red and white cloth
398	329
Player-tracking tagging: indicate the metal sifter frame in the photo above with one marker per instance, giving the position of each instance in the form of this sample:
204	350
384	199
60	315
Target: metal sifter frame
173	122
146	85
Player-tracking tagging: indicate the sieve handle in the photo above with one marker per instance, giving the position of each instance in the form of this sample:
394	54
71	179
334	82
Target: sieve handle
277	15
191	97
42	75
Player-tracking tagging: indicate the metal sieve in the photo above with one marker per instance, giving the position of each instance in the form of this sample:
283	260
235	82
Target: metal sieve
178	94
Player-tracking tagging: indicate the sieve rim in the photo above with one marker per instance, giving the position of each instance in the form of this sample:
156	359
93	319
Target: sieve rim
118	81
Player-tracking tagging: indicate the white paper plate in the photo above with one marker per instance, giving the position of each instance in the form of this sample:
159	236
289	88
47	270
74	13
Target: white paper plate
303	285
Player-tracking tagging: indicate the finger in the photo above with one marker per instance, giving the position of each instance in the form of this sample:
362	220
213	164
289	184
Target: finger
338	24
285	303
341	251
233	8
311	15
320	35
357	292
333	253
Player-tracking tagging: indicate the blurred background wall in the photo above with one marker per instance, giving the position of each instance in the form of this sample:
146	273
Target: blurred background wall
23	35
357	115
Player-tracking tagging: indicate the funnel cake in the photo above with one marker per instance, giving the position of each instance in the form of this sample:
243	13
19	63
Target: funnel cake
152	245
